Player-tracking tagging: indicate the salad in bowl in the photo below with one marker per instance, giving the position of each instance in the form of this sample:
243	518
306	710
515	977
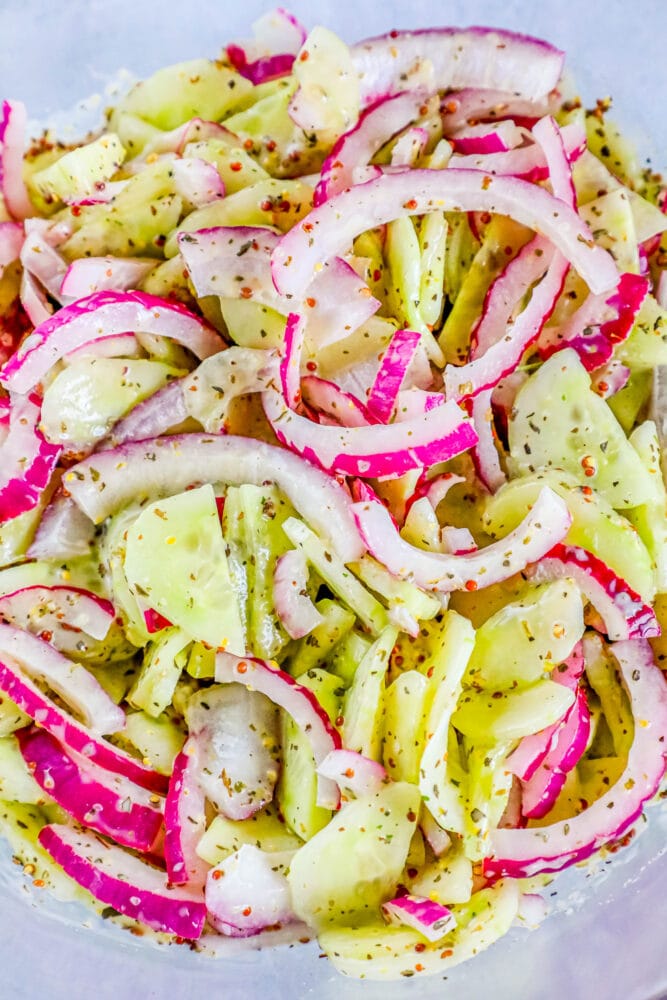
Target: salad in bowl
333	529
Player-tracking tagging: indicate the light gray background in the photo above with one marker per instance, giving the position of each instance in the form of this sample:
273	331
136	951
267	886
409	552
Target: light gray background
614	948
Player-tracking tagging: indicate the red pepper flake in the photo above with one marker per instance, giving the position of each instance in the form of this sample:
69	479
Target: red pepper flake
419	967
311	366
76	210
305	55
242	668
307	227
587	491
486	183
246	293
377	274
217	874
248	144
247	911
271	145
412	816
588	465
470	585
266	205
447	953
46	635
38	883
451	107
311	302
412	203
602	388
236	166
420	947
349	773
340	720
430	672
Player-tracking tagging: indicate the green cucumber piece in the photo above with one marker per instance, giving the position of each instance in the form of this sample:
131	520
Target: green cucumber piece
236	168
363	704
499	717
527	638
559	422
175	561
154	688
79	171
265	830
159	741
402	740
344	873
16	781
297	787
347	654
446	880
314	649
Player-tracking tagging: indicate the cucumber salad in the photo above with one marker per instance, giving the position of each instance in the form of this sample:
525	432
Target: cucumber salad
333	531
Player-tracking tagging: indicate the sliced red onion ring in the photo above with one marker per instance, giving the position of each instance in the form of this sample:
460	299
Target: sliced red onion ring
415	402
75	685
451	58
438	839
624	613
533	749
524	853
248	892
194	130
11	241
353	772
487	138
290	362
109	480
526	162
375	450
235	735
546	524
197	181
105	802
41	260
105	192
12	142
391	374
28	460
330	229
296	700
235	262
64	531
101	315
260	70
294	608
600	324
553	142
58	614
409	147
153	416
123	881
567	747
123	345
473	104
15	683
185	821
278	36
376	126
485	453
94	274
661	290
502	357
327	398
431	919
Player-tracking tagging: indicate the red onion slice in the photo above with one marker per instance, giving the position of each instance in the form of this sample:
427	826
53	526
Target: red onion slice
63	532
11	241
376	126
330	229
474	104
546	524
248	892
58	613
624	613
391	374
234	732
340	407
294	608
488	138
374	450
353	772
75	685
94	274
104	314
524	853
15	683
431	919
296	700
105	802
123	881
109	480
567	747
290	362
527	162
485	453
185	821
28	460
12	142
451	58
197	181
154	416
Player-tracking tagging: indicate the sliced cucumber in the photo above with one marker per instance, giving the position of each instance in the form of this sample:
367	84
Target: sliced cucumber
362	709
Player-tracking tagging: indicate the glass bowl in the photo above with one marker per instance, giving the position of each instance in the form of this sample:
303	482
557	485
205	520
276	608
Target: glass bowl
605	936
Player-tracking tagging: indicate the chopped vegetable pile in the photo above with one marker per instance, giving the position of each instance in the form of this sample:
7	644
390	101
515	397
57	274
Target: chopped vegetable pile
333	531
